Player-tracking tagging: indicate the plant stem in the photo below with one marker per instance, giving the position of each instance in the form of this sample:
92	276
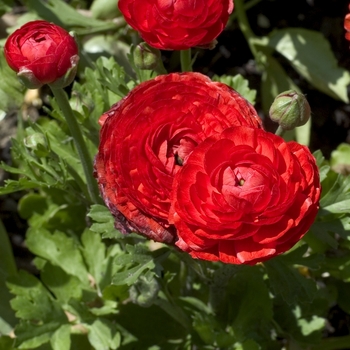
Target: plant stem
79	142
244	25
185	58
280	131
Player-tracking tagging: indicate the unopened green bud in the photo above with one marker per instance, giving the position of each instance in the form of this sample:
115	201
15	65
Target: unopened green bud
146	57
38	143
290	109
145	291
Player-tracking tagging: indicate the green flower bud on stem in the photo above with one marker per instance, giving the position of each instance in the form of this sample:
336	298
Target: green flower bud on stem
290	109
146	57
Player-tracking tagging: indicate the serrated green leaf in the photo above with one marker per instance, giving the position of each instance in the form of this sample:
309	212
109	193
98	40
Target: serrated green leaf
288	283
59	249
21	185
238	83
130	275
41	315
61	284
94	252
31	336
32	301
103	335
300	47
104	222
60	340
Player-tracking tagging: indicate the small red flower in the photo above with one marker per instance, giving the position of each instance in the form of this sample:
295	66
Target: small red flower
347	25
177	25
42	53
244	196
146	138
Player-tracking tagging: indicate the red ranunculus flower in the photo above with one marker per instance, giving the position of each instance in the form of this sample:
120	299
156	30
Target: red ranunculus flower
244	196
347	26
42	53
147	136
177	25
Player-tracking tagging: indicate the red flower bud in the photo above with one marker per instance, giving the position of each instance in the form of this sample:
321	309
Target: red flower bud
42	53
177	25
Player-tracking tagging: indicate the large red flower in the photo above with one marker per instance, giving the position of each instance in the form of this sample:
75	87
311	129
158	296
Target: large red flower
147	136
41	53
244	196
177	25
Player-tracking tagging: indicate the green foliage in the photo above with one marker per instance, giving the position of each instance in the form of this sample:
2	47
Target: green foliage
238	83
300	47
11	90
7	268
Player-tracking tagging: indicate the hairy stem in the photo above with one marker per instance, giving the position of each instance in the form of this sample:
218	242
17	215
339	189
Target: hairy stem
79	142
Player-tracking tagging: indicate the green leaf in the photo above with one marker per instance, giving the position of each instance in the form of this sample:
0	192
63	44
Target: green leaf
61	338
253	304
238	83
41	315
341	155
7	261
59	249
6	343
94	252
288	283
104	222
7	268
61	284
135	262
104	9
336	199
62	14
11	90
103	335
312	57
274	81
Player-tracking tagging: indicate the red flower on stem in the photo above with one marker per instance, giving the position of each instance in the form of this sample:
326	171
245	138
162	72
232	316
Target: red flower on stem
177	25
42	53
244	196
147	137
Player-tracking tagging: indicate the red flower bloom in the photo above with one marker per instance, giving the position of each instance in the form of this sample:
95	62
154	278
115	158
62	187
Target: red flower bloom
177	25
147	136
244	196
42	53
347	26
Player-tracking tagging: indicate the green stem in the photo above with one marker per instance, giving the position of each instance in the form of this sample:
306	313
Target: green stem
244	25
280	131
186	62
79	142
